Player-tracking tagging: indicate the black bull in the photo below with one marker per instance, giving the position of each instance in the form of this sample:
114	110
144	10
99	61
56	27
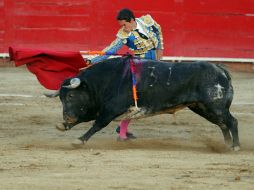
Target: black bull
103	93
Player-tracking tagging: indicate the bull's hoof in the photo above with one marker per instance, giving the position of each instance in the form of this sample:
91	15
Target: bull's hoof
236	148
60	127
228	143
77	143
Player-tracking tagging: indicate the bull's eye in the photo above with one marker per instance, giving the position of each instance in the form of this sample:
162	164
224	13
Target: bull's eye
70	96
83	110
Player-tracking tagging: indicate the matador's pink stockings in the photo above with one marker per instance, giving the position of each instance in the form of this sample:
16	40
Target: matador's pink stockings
124	128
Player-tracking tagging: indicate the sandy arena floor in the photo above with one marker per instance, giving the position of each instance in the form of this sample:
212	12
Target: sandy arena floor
178	153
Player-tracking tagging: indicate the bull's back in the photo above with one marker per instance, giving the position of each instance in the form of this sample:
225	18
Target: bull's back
170	84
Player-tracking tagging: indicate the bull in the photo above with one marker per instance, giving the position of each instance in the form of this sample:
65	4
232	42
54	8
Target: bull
103	93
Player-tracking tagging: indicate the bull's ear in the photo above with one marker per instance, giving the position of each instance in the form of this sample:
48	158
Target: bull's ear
84	85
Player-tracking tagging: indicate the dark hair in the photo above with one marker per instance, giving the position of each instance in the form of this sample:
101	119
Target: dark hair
125	14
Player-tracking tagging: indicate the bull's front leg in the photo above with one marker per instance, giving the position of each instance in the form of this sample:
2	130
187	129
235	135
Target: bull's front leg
100	123
95	128
108	113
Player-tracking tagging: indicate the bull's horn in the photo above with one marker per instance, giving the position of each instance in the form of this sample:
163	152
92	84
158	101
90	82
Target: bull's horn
74	83
52	94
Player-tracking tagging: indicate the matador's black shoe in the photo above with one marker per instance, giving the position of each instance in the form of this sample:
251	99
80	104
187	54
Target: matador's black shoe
128	134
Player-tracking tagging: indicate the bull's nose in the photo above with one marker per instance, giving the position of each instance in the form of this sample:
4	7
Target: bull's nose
70	119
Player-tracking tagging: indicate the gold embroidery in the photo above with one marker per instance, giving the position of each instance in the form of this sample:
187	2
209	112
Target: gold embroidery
143	45
135	33
147	19
143	49
122	34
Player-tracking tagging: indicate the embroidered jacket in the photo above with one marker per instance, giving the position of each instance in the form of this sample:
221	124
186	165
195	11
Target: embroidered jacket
139	45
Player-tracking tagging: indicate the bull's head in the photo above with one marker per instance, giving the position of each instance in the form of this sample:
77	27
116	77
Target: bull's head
76	101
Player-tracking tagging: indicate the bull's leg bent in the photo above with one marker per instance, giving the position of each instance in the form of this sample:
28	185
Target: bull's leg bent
224	120
232	124
97	126
226	134
103	119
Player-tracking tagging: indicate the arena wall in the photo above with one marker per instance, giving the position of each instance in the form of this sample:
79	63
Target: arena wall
210	28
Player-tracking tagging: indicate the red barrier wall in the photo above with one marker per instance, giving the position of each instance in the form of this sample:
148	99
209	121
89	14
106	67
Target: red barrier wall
200	28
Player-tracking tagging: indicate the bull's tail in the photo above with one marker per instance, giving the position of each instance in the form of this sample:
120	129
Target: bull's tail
224	69
230	91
